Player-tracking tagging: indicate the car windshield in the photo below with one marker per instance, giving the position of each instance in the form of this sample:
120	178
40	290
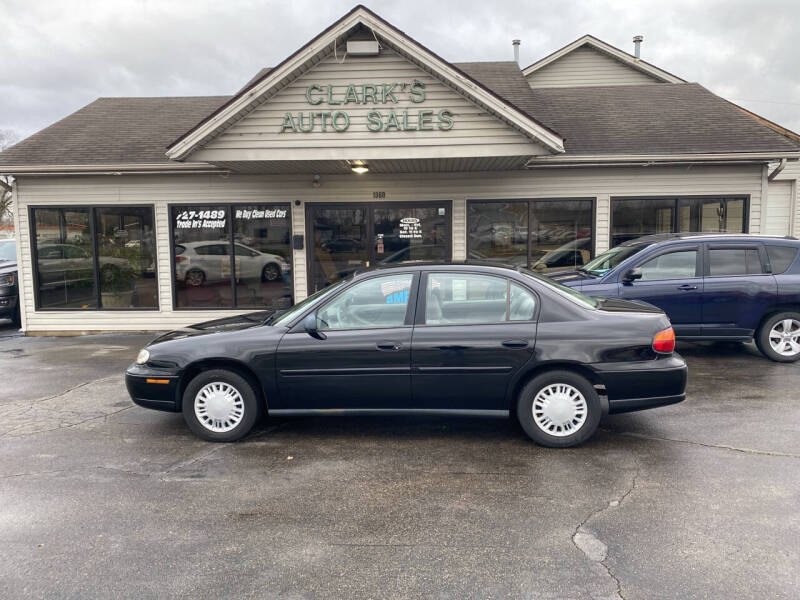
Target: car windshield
8	250
609	260
573	296
298	308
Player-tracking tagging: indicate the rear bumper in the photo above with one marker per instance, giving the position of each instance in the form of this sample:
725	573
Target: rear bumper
153	390
648	384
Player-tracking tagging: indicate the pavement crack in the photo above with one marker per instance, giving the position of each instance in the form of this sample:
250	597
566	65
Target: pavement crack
703	444
592	547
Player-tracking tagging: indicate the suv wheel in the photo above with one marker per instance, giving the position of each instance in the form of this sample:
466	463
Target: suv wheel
559	409
779	337
220	406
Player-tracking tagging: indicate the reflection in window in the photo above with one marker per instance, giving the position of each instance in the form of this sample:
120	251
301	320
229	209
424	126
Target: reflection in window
339	244
126	255
733	261
377	302
558	237
65	258
635	217
243	265
410	234
68	271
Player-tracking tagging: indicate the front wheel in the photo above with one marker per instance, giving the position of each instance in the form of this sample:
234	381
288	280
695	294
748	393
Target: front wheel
220	406
779	337
559	409
271	272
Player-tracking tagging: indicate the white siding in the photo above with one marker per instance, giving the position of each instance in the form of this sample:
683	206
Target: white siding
584	67
475	132
161	190
791	175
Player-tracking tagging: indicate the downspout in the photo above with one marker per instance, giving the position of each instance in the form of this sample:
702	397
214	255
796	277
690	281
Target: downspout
781	166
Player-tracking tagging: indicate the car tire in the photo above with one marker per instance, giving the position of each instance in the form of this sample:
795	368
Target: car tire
778	343
271	272
220	406
194	278
559	409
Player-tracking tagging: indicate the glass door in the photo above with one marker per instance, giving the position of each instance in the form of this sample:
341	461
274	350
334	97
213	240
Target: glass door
410	233
337	243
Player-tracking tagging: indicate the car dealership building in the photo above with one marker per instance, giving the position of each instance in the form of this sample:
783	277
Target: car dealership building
365	148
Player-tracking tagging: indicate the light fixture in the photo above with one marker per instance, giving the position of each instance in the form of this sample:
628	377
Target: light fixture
359	167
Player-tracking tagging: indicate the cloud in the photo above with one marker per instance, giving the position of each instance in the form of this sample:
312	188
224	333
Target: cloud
58	56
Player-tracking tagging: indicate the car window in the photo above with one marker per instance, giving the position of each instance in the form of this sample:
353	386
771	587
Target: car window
733	261
376	302
465	299
242	251
780	257
212	249
75	252
49	252
521	305
681	264
611	259
8	250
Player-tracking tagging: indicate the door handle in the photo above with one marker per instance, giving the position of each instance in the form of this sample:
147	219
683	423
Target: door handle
515	344
388	346
453	347
686	287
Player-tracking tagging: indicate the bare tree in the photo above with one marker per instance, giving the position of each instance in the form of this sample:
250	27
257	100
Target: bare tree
8	137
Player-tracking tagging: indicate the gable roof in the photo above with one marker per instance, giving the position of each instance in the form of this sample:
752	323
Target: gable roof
324	44
599	45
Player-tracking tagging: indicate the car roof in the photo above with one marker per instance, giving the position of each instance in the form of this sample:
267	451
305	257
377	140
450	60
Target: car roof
700	236
441	265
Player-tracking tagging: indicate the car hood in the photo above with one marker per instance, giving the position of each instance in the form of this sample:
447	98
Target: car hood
572	279
8	266
617	305
224	325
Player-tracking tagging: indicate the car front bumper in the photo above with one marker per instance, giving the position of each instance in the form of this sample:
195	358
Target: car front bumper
643	385
154	389
8	303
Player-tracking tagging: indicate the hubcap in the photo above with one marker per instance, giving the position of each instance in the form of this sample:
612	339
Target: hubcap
270	272
219	406
784	337
559	409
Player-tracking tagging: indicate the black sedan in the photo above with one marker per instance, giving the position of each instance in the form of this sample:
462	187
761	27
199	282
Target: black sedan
455	339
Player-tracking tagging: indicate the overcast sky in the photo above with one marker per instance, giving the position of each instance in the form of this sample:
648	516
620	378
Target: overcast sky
59	55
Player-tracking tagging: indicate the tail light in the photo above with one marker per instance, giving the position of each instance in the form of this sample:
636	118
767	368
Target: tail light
664	341
180	259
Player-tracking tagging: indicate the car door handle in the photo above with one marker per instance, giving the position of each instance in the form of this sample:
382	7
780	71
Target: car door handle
452	347
686	287
515	344
388	346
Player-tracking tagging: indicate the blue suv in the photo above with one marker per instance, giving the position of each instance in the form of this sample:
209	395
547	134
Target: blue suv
712	286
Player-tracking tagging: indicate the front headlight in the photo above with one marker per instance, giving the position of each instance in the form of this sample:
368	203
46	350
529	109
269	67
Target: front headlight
143	357
6	280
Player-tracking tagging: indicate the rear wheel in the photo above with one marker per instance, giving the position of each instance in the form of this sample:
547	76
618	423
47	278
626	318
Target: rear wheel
195	278
220	406
559	409
779	337
271	272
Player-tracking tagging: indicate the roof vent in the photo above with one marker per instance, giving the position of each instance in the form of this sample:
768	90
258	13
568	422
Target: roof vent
362	47
637	45
516	44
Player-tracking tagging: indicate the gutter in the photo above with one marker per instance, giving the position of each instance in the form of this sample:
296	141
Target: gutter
777	170
656	159
113	169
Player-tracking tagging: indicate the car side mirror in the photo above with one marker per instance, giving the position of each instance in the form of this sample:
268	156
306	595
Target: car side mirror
310	325
632	275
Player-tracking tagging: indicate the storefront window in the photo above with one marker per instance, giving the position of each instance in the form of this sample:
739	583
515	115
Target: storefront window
410	234
543	234
78	248
245	264
635	217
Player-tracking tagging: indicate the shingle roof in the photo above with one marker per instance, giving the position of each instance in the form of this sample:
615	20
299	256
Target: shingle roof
625	119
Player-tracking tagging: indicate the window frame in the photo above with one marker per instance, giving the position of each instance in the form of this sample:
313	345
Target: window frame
422	296
230	206
676	200
762	255
530	214
91	208
699	267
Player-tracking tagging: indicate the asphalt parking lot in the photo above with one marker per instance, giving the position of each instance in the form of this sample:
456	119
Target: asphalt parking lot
100	498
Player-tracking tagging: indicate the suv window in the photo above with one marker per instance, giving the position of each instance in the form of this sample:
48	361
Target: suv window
681	264
780	257
724	262
465	299
376	302
212	249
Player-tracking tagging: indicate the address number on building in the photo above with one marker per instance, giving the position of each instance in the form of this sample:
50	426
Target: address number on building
378	195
